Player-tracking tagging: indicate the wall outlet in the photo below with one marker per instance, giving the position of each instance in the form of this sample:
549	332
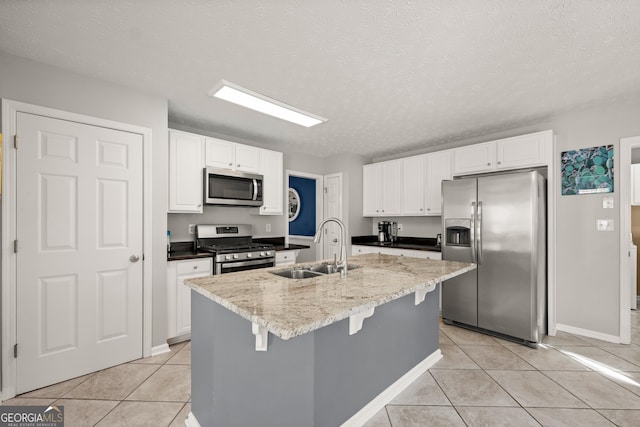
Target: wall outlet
268	228
607	202
604	225
399	227
192	229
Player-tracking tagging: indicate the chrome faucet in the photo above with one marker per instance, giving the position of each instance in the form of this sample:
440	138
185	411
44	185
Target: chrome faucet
343	247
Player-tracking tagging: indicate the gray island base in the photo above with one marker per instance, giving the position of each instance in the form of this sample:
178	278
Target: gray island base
321	377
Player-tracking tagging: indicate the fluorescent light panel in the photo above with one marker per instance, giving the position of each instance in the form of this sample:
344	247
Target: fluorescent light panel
257	102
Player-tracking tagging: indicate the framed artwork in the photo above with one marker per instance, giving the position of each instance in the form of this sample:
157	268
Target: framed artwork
587	170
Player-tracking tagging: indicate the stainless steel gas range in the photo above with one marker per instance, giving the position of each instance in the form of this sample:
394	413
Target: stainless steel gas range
232	248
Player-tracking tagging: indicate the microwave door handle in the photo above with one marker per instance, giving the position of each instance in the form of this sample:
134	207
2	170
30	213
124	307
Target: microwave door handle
255	189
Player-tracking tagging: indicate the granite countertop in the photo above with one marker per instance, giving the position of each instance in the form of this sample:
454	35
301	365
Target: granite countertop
278	242
416	243
291	307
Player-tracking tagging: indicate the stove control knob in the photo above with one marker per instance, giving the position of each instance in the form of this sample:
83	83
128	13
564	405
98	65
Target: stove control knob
261	253
227	257
249	255
269	253
235	256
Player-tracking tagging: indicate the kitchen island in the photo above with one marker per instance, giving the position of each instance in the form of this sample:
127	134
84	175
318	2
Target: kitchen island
320	351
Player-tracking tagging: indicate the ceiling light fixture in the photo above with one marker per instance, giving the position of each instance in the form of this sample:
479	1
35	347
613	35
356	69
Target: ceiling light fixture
255	101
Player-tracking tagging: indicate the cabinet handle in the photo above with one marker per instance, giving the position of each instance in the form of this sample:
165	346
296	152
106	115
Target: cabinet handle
238	165
499	162
230	164
195	267
427	209
199	206
421	209
488	164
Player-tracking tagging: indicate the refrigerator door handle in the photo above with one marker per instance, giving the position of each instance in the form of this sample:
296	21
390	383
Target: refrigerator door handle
479	228
472	232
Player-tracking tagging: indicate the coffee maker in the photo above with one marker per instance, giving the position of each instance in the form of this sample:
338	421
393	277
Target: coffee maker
387	231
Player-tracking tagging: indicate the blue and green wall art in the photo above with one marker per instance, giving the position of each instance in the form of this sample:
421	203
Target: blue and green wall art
587	170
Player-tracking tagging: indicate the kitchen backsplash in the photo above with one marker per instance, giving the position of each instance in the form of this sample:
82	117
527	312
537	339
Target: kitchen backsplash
427	226
178	223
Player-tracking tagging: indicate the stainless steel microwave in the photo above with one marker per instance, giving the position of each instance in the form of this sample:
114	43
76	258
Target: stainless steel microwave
227	187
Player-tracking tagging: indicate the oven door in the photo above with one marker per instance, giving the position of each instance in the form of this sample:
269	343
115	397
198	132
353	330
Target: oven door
233	266
225	187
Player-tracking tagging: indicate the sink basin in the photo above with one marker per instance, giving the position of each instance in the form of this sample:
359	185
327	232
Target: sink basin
297	274
308	272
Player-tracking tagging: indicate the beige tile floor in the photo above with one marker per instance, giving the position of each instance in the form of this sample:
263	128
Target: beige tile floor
480	381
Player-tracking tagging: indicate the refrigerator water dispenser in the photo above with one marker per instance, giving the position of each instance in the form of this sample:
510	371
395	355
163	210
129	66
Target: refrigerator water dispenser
458	232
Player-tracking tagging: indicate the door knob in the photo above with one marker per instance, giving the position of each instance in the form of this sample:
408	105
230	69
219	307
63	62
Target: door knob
335	240
134	258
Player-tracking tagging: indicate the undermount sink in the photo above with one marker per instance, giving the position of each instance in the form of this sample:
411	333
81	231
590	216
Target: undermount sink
308	272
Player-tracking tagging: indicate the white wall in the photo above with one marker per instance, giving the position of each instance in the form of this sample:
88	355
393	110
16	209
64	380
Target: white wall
34	83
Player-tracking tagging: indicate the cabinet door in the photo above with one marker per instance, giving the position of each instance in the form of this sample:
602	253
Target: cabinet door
371	179
438	170
361	250
187	270
474	158
185	172
391	187
523	151
286	258
413	185
247	158
220	153
271	168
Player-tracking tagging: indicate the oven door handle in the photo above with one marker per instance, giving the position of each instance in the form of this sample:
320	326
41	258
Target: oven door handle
247	263
255	189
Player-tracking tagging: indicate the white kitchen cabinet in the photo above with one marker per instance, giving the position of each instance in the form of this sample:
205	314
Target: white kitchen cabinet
186	162
230	155
635	184
518	152
413	253
286	258
438	169
271	168
413	185
179	295
381	195
474	159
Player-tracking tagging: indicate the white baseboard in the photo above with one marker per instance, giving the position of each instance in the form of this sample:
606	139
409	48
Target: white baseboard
191	421
379	402
587	333
159	349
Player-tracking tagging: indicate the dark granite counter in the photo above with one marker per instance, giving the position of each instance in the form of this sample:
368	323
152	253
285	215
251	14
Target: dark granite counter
278	242
415	243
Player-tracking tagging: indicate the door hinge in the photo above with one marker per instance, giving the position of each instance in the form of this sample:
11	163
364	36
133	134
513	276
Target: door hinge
15	141
15	246
15	351
326	190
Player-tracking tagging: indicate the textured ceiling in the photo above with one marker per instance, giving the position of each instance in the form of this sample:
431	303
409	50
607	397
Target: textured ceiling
390	76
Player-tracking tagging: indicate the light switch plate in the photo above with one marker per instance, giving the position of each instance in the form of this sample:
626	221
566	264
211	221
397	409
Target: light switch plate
400	227
607	202
268	228
604	225
192	229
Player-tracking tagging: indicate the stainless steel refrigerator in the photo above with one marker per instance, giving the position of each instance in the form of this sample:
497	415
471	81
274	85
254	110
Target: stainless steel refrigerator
499	223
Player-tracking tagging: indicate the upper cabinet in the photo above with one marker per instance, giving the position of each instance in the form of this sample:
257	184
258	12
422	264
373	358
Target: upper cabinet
438	169
186	161
381	184
412	186
509	153
190	153
271	168
229	155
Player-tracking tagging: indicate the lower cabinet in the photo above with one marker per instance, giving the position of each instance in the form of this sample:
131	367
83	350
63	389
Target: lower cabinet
179	295
363	249
286	258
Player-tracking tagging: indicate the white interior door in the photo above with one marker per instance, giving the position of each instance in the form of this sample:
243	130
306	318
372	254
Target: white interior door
79	263
332	208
